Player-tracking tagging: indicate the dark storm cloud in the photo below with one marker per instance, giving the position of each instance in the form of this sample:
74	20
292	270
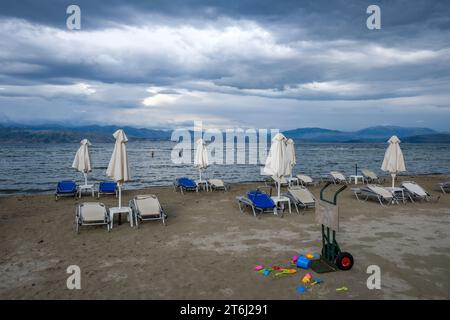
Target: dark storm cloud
154	53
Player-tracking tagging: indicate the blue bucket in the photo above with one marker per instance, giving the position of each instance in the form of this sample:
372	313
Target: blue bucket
303	262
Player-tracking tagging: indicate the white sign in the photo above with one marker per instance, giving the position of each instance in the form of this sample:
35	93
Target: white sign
327	214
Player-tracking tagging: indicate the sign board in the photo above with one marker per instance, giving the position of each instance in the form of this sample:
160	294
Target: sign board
327	214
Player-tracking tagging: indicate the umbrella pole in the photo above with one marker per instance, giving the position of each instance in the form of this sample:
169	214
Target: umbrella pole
279	189
85	178
393	179
120	195
200	174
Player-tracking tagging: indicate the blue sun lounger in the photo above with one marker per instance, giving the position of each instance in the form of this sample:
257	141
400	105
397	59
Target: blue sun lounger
258	201
66	188
185	184
107	187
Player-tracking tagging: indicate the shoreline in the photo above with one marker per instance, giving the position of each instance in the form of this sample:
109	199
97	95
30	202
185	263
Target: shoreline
315	178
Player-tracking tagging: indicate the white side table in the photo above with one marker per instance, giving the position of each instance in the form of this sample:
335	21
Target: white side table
292	181
203	184
398	193
355	178
117	210
86	188
282	200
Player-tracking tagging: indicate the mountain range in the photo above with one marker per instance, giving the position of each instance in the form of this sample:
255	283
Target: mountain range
97	133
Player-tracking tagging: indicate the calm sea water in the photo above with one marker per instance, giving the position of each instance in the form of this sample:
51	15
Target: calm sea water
37	168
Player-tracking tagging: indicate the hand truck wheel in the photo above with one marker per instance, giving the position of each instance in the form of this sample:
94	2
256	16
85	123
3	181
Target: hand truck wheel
344	261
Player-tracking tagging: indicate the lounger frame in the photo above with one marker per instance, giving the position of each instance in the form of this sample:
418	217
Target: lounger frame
65	194
80	222
297	202
177	185
413	196
443	186
336	180
99	192
244	202
138	216
368	194
225	186
369	179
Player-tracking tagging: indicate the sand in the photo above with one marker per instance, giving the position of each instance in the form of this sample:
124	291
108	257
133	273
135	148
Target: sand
208	249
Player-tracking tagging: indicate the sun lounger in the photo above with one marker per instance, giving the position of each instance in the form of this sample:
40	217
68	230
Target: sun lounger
371	177
258	201
444	186
275	180
305	180
338	177
185	184
415	191
107	187
217	184
66	188
301	197
147	208
91	214
374	191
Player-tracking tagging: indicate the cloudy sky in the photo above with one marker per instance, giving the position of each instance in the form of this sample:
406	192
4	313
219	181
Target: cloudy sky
260	63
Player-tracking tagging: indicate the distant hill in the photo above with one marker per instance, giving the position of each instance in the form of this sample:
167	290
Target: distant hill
97	133
429	138
318	135
382	132
61	134
371	134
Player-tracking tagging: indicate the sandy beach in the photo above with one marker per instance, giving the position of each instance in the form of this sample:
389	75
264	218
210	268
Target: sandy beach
208	249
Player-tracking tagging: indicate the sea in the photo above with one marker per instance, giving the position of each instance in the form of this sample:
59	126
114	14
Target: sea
36	168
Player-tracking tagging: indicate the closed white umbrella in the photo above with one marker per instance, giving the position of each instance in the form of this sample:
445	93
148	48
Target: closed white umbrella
82	161
118	168
201	157
393	159
290	150
276	163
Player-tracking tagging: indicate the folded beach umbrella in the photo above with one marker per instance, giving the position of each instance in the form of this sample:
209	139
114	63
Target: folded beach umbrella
393	158
118	168
201	156
290	150
276	162
82	161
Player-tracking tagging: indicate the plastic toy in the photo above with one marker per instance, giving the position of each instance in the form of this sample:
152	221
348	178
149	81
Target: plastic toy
303	262
301	289
307	278
259	267
342	289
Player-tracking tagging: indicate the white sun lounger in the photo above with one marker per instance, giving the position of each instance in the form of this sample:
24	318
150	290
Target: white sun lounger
276	180
147	208
338	178
375	192
444	186
371	176
305	180
90	214
415	191
301	197
217	184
